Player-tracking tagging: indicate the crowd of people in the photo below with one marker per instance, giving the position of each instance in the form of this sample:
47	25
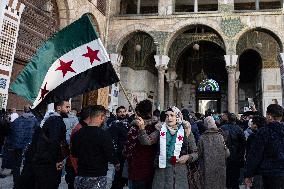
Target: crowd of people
171	149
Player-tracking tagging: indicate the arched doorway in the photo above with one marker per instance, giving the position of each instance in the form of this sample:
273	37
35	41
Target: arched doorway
249	87
259	49
200	70
138	73
197	55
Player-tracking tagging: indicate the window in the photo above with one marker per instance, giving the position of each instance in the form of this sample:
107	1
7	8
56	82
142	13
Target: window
207	5
149	6
244	4
257	4
128	7
196	6
184	6
268	4
139	6
208	85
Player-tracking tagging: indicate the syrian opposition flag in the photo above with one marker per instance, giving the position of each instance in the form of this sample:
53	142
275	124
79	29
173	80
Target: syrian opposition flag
70	63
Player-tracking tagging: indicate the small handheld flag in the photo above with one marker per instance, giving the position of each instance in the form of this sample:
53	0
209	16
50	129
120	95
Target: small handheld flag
72	62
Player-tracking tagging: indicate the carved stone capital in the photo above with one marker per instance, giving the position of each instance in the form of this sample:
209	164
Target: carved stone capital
162	68
161	62
231	69
171	83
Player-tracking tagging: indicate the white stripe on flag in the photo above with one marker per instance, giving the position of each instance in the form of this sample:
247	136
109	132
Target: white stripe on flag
80	64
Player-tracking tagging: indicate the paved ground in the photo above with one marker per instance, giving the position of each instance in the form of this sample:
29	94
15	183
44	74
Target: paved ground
7	183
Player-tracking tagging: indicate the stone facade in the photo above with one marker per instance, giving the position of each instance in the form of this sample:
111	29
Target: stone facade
233	28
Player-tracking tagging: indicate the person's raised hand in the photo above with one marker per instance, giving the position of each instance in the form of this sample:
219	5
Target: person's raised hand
140	122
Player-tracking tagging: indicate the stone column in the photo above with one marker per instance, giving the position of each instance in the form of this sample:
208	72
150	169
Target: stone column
231	62
256	4
178	85
237	90
116	60
138	6
162	65
282	69
171	79
195	5
166	7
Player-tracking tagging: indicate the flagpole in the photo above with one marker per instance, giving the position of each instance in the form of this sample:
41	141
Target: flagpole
124	91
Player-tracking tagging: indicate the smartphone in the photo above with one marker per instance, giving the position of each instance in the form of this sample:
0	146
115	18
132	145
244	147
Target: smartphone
250	102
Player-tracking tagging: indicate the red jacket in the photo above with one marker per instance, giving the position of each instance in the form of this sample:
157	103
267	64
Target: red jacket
140	158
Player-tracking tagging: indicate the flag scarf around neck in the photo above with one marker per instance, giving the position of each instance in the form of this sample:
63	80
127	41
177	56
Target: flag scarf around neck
163	145
72	62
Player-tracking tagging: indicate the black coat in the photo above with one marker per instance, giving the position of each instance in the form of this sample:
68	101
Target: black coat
236	142
47	144
266	155
118	131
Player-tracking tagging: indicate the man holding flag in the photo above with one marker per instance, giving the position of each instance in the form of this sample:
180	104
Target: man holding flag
70	63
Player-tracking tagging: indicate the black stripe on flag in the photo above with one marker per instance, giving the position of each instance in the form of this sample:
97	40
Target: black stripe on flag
95	78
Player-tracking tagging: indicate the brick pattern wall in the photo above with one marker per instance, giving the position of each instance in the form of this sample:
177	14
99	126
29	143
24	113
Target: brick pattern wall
36	26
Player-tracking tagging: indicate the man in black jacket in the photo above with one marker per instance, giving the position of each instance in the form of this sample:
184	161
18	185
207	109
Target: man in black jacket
266	156
118	130
93	148
44	158
235	140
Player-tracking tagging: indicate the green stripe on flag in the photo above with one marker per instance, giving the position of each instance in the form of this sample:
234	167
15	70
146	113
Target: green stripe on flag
76	34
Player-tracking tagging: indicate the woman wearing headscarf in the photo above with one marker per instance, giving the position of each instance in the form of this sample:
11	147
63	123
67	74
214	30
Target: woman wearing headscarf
176	148
212	153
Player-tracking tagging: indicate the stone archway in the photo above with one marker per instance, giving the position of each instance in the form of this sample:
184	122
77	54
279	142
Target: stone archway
268	31
249	81
183	26
269	46
119	39
138	73
193	40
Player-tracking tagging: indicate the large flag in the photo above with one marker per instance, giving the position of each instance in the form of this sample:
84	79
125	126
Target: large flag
70	63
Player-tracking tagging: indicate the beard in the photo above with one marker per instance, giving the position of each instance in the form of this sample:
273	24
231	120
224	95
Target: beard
121	117
64	115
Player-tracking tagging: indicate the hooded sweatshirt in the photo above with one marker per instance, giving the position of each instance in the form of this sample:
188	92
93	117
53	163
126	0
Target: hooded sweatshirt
266	156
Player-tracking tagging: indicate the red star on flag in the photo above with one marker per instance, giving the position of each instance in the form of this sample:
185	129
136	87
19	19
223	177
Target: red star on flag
163	133
65	67
92	54
43	92
180	138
